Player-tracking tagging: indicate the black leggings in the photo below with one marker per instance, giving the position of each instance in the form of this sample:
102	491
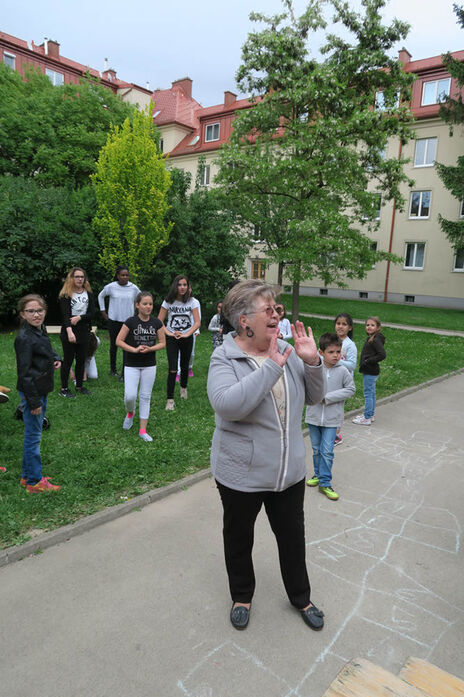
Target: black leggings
113	329
71	352
173	347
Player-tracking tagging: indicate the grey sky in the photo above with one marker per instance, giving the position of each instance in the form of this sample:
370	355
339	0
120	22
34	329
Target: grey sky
164	41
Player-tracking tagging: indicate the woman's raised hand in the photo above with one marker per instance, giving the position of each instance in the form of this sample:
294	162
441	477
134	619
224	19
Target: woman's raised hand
274	353
305	346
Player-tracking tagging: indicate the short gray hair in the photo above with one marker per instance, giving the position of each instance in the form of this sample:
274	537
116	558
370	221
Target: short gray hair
240	300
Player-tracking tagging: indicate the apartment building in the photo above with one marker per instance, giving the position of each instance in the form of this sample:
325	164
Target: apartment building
19	55
431	272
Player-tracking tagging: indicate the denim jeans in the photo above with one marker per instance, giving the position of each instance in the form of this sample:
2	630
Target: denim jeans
32	463
322	441
369	395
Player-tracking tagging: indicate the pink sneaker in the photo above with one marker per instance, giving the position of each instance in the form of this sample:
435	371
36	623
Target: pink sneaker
190	373
177	377
2	469
40	487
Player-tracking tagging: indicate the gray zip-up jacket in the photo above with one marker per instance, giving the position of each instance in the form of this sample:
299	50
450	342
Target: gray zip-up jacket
340	386
251	449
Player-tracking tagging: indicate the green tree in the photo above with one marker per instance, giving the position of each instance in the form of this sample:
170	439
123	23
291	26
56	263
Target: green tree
305	163
203	245
131	183
452	111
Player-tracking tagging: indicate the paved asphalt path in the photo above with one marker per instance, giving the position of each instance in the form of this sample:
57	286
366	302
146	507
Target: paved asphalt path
138	607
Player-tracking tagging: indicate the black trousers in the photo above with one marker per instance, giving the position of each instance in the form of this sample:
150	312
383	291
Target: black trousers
173	348
113	330
285	512
71	352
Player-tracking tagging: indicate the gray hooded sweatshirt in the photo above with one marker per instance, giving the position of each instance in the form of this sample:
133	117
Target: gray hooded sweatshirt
340	386
252	450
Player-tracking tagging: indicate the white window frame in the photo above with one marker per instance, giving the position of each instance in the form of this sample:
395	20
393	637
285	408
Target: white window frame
421	192
380	101
375	196
426	152
437	94
206	176
458	269
52	74
414	267
212	126
12	56
461	208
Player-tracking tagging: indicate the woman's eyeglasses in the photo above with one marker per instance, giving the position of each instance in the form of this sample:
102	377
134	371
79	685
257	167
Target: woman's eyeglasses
269	310
35	312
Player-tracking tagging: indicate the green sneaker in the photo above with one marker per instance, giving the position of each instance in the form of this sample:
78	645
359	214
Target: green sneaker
314	481
329	492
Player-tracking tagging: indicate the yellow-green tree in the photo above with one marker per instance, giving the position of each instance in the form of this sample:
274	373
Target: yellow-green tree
131	183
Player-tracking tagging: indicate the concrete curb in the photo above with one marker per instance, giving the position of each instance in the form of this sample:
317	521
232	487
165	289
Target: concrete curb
54	537
390	325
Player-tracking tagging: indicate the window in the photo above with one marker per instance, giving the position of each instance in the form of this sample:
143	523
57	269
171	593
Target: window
374	207
426	149
258	269
414	256
363	295
435	91
161	144
212	132
459	260
194	140
257	233
204	175
409	298
373	249
420	204
55	78
461	209
380	101
10	60
323	291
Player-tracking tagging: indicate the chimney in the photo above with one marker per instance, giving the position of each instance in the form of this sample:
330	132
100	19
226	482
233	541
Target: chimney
52	48
404	56
185	84
229	98
105	65
147	86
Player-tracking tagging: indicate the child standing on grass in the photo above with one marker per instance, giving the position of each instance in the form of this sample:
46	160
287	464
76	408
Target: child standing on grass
215	326
140	337
36	362
324	418
344	330
284	323
372	353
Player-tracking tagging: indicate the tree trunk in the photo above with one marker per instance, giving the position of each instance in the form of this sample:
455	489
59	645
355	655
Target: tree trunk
296	293
280	274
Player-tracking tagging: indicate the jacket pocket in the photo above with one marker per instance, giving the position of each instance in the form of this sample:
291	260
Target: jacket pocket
235	454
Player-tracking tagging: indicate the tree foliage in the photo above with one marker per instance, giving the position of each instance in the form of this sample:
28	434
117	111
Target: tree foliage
452	111
203	244
131	183
305	161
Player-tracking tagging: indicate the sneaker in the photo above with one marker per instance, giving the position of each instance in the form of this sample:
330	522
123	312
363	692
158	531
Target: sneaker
114	374
177	377
190	373
329	492
170	405
128	421
314	481
183	393
121	377
40	487
372	419
145	437
83	390
23	480
2	469
338	440
3	397
66	392
360	420
45	423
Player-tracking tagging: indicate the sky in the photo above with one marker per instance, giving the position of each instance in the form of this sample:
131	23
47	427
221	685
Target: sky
159	42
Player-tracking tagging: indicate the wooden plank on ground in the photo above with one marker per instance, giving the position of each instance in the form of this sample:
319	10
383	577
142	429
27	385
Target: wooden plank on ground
361	678
426	676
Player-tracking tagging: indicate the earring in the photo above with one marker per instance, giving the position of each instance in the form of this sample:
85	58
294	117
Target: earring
249	331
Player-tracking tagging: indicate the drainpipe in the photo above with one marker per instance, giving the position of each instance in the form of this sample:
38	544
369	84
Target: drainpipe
390	244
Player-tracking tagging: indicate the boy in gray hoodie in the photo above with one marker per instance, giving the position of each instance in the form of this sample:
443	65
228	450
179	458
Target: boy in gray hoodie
324	418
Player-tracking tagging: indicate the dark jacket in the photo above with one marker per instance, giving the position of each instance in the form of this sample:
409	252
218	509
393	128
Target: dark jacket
34	359
82	329
372	353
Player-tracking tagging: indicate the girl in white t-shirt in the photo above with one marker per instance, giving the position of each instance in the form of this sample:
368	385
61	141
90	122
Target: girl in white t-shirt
344	330
183	319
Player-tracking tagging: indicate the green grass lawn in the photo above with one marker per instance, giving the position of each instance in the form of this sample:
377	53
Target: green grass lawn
397	314
99	465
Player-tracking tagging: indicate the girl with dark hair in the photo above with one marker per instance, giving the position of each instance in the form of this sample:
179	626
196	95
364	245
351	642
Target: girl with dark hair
141	335
183	319
77	309
373	352
36	362
121	293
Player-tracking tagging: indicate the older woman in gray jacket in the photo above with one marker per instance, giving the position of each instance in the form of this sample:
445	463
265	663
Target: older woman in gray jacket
257	386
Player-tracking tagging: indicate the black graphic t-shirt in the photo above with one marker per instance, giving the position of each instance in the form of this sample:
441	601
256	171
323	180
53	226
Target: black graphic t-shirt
141	334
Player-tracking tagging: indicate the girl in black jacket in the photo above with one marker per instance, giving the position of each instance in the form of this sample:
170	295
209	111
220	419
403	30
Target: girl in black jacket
77	309
36	361
372	353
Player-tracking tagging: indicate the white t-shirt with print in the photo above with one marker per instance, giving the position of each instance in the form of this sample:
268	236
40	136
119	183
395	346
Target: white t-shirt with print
79	304
180	315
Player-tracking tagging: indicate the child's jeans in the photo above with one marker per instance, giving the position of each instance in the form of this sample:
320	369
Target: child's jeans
32	463
369	395
322	441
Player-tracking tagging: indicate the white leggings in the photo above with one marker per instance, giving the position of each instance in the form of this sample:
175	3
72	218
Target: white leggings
132	378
